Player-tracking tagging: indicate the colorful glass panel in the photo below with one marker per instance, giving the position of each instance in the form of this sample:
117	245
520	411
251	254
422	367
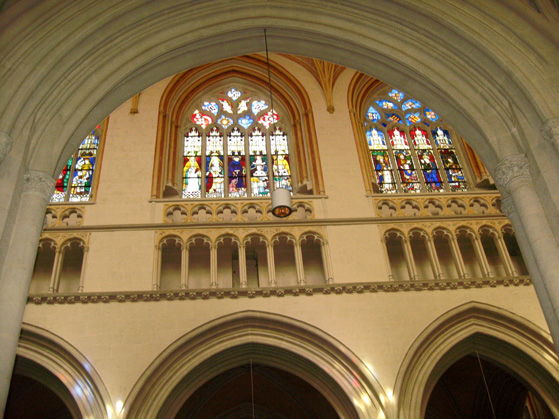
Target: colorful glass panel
201	119
383	171
373	115
433	180
396	95
398	139
278	142
431	115
211	107
454	172
282	172
246	121
411	104
256	142
191	178
408	174
214	177
236	143
386	104
420	140
243	106
234	94
375	139
394	118
226	105
442	138
259	183
268	119
224	121
412	118
83	170
214	142
258	106
62	183
237	177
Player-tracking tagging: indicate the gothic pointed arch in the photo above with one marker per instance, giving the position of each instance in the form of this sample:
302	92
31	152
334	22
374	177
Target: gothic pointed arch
289	96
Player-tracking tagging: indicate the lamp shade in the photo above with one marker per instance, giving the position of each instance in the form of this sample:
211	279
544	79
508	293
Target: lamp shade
281	203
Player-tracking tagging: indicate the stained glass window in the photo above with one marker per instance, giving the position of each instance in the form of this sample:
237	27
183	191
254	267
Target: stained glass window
231	156
416	157
76	179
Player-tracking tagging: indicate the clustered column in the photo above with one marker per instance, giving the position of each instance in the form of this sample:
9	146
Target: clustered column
243	265
271	264
299	263
185	256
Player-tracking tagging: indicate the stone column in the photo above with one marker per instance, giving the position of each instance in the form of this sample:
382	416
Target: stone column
458	261
481	257
82	273
156	267
504	254
387	259
16	274
534	234
55	270
327	263
243	265
213	266
271	265
433	258
299	263
184	266
409	258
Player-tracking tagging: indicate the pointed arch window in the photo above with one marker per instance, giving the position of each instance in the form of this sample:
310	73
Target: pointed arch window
235	146
411	148
78	180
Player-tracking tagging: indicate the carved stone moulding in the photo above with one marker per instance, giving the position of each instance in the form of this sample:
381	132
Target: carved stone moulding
443	205
227	212
64	216
433	228
307	291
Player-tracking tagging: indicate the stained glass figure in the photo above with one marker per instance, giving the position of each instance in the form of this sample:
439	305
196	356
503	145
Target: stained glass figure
398	139
234	94
408	175
269	118
214	176
430	171
211	107
258	106
226	105
386	104
62	183
396	95
282	172
259	183
394	118
246	121
224	121
420	140
257	142
201	119
383	171
442	138
191	185
243	106
411	104
412	118
373	115
376	140
83	170
453	170
431	115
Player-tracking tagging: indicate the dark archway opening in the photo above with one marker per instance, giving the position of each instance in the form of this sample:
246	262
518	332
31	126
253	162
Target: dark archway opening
473	388
277	395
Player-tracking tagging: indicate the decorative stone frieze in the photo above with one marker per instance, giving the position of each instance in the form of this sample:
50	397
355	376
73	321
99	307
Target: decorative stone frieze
38	183
510	168
64	216
430	228
6	143
439	206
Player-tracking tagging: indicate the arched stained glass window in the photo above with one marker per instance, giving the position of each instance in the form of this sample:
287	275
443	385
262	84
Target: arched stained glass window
75	182
235	146
412	149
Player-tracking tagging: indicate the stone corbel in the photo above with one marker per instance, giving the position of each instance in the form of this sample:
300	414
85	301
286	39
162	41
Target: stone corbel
6	143
550	132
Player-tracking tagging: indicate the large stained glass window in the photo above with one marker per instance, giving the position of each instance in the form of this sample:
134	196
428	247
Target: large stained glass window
412	149
75	182
235	146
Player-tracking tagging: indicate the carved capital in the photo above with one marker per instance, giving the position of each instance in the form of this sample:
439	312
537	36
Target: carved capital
507	206
38	183
5	145
550	130
511	168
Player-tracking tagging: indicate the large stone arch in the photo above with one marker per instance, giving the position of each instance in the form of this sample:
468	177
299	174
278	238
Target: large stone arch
265	338
512	341
75	373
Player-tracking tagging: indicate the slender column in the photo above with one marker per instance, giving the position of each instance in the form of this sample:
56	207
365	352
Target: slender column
504	254
480	255
54	274
326	261
299	263
16	273
213	266
156	267
271	265
433	258
59	269
458	261
243	265
534	234
387	259
82	273
409	259
184	265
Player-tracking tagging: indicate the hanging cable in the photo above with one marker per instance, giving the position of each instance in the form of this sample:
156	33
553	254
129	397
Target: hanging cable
485	382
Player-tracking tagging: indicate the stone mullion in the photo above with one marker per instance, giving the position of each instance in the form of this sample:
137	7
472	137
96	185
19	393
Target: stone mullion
271	265
299	263
504	254
327	263
185	256
54	274
243	265
481	257
409	259
433	259
457	255
82	273
213	266
156	274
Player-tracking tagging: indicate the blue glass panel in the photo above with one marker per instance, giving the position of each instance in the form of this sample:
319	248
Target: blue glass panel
211	107
396	94
373	115
411	104
386	104
412	118
431	115
394	117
